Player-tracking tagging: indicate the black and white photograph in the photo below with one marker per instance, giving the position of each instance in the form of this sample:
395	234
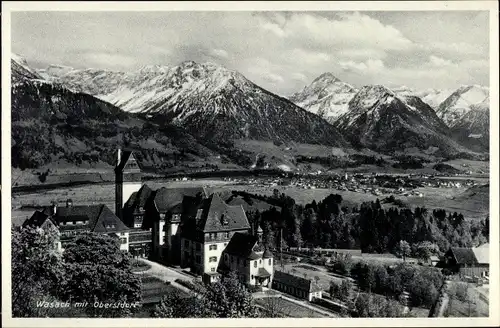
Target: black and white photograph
250	163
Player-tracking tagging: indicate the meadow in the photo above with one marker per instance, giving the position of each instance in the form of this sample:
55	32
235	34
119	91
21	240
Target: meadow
473	203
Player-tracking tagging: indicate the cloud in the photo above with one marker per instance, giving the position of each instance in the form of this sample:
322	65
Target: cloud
280	51
275	78
352	29
370	66
110	60
440	62
299	77
219	53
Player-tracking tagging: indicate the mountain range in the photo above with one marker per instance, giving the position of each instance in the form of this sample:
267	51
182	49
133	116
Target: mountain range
200	110
379	119
464	110
210	101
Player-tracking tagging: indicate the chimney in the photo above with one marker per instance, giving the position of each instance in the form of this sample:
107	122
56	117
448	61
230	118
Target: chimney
119	156
54	208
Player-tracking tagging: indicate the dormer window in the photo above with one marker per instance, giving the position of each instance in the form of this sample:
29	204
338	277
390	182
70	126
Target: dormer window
223	220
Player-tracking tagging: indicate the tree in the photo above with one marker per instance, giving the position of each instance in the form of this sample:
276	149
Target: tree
98	271
425	250
403	249
273	307
36	269
227	298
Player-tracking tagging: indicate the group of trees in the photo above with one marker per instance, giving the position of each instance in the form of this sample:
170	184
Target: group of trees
369	227
227	298
91	270
422	283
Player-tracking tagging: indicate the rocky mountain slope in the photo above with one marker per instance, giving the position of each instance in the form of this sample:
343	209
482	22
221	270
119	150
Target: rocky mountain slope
379	119
467	112
51	123
326	96
20	70
210	101
432	97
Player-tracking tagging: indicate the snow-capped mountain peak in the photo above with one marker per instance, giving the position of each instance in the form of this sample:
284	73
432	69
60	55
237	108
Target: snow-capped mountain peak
212	101
21	70
326	96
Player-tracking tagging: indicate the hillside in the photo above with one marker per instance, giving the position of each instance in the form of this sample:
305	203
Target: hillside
51	123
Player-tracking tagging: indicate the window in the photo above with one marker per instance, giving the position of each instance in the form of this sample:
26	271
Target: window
186	243
212	259
123	240
198	259
226	235
226	257
215	235
198	247
212	269
255	264
212	247
270	262
225	244
260	261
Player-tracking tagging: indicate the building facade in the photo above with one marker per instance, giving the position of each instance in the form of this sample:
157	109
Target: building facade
296	286
72	220
207	226
471	262
246	255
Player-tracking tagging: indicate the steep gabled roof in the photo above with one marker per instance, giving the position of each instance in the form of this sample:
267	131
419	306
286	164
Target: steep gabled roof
107	222
241	245
482	254
295	281
167	198
128	162
36	220
464	255
218	216
139	198
96	218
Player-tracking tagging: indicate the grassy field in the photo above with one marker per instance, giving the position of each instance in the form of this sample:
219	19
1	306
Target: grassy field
472	203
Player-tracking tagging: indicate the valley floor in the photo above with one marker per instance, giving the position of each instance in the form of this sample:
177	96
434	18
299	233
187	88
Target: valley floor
451	199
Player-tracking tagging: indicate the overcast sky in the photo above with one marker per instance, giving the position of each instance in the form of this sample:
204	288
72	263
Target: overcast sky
281	51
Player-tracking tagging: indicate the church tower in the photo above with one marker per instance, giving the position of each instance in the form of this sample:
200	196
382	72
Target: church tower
127	179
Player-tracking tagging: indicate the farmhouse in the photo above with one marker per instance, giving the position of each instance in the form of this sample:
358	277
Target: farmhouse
72	220
468	261
296	286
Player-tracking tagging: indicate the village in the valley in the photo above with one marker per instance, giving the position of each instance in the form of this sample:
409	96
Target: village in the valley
187	234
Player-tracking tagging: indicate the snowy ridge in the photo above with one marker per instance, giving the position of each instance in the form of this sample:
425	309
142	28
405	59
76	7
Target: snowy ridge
465	99
380	119
208	99
21	70
326	96
433	97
